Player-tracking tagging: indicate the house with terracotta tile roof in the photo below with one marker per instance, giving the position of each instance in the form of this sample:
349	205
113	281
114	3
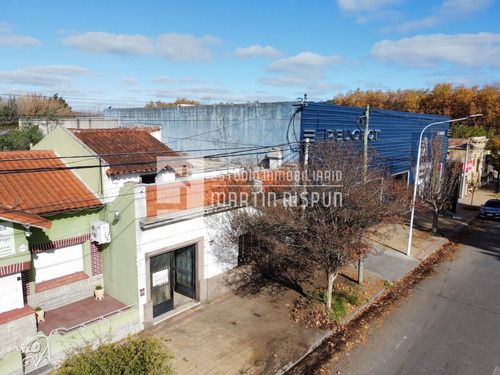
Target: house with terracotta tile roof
162	209
48	258
120	155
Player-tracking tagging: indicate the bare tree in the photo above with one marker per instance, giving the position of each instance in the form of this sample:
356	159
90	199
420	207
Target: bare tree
318	223
441	179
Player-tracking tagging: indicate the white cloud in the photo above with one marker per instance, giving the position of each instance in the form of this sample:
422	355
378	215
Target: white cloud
184	47
283	81
203	90
163	79
449	10
257	51
431	50
130	81
172	46
7	37
322	90
306	65
100	42
200	93
191	80
464	8
50	75
364	5
366	11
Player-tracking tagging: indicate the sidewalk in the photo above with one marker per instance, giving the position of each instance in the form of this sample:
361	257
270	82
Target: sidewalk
235	335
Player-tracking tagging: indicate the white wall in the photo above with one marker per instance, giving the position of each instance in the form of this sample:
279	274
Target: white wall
113	184
175	235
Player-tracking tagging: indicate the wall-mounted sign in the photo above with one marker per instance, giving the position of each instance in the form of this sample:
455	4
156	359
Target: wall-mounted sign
350	134
468	166
7	241
342	134
160	277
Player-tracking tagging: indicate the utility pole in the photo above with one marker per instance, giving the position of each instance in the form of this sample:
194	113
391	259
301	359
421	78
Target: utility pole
306	154
498	172
365	173
365	142
464	172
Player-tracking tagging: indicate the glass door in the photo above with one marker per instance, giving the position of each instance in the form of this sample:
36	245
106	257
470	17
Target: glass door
162	295
185	271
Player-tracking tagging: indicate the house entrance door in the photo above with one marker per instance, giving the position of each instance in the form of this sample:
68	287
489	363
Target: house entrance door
185	271
162	291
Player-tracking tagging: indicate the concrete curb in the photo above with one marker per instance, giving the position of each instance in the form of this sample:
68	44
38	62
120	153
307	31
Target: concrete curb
327	335
425	253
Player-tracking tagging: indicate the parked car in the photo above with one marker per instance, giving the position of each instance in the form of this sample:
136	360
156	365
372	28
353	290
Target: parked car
491	209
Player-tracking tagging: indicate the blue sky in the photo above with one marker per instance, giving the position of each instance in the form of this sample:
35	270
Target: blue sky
127	53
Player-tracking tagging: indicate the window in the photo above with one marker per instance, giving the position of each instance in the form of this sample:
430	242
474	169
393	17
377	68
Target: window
148	178
401	176
59	262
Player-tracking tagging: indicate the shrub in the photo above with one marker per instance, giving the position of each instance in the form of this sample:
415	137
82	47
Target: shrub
343	296
133	356
312	312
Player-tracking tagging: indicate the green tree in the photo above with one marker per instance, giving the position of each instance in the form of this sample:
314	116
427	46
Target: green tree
178	102
21	139
8	113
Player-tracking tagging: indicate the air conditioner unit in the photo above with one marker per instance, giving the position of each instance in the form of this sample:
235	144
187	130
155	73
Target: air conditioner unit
99	232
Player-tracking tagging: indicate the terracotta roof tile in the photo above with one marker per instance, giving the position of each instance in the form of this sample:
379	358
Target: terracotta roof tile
39	182
23	217
129	150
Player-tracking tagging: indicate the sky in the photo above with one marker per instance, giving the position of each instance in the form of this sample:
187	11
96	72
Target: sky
127	53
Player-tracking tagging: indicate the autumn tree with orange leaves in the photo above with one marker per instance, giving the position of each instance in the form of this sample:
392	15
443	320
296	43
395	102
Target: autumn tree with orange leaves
443	99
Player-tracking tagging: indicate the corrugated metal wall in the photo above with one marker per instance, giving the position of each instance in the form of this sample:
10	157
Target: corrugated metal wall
394	134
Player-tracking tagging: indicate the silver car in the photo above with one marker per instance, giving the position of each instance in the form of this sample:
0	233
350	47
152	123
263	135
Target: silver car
491	209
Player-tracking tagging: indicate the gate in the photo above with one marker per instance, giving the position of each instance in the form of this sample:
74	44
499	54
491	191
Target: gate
35	353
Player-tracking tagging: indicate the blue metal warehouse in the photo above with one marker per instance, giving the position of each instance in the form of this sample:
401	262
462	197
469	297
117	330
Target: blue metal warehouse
394	135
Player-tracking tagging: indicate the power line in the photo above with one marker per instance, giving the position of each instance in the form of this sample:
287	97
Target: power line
240	152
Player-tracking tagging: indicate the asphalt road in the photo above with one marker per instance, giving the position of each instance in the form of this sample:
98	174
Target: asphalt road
449	325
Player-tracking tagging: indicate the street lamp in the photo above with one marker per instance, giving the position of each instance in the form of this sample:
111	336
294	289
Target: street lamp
417	172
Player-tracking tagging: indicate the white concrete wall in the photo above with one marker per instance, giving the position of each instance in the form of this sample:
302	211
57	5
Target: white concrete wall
215	260
113	184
